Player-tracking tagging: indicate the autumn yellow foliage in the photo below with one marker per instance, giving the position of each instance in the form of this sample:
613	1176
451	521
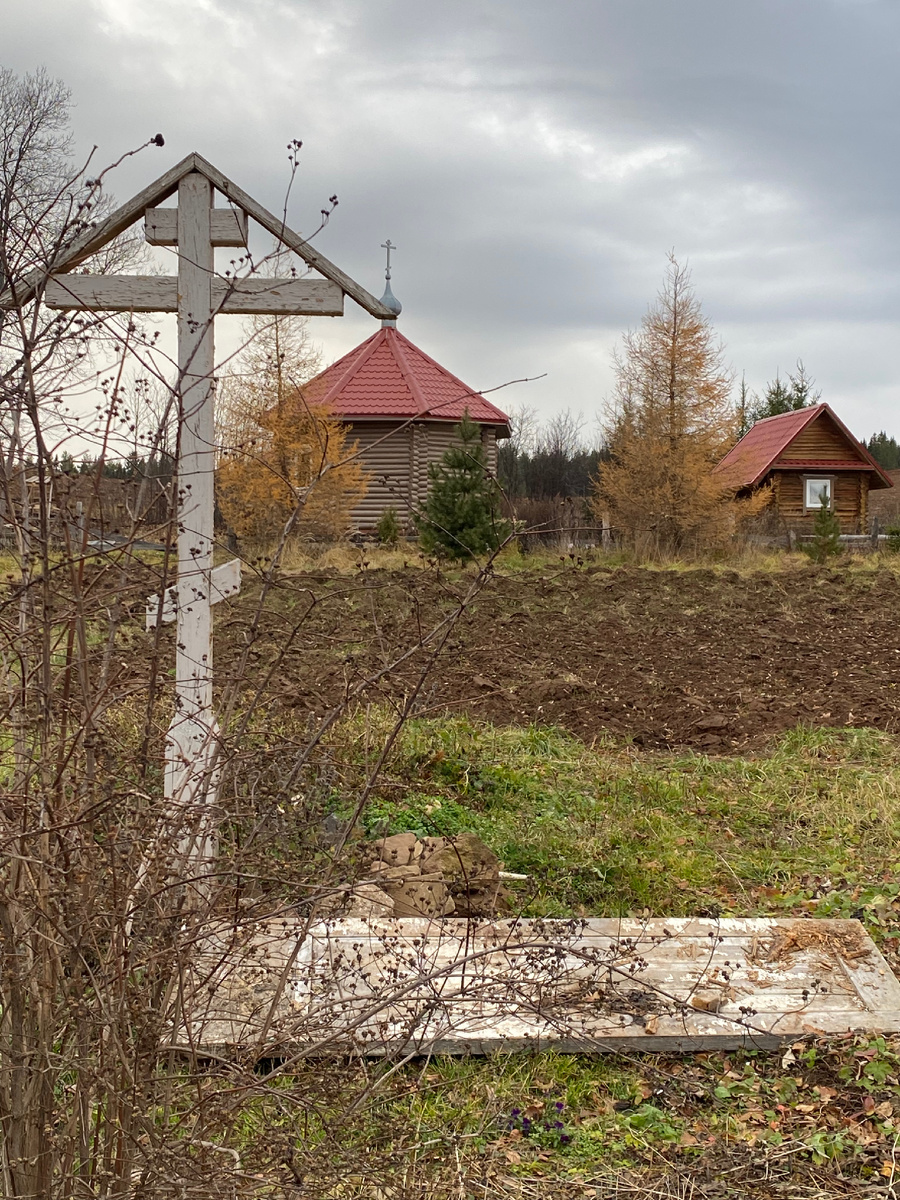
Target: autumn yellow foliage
285	468
671	420
292	479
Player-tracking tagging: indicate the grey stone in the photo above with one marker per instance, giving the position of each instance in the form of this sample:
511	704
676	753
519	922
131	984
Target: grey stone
369	900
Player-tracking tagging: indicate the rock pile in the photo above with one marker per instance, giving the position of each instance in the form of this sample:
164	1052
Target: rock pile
408	876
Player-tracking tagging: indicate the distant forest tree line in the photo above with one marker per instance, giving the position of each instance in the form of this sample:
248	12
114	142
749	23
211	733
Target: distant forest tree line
132	466
884	450
553	459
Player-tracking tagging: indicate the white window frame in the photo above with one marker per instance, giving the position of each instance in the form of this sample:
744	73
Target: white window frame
819	480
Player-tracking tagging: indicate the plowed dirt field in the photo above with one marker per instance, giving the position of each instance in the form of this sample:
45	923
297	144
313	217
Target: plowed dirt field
709	659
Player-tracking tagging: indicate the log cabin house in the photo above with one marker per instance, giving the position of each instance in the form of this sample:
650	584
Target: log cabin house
804	454
402	408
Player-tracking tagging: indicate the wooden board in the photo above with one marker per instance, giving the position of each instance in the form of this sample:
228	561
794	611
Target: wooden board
416	985
848	486
821	440
224	582
226	227
159	293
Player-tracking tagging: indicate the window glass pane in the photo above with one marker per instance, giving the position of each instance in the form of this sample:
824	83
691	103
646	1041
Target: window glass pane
814	490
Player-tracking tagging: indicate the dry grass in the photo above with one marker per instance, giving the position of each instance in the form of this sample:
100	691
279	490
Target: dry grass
347	558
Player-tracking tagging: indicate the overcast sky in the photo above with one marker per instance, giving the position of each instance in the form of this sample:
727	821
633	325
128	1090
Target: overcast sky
534	161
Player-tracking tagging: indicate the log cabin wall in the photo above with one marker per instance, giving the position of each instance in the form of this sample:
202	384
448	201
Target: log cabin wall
386	457
432	440
851	490
398	465
820	440
788	450
489	441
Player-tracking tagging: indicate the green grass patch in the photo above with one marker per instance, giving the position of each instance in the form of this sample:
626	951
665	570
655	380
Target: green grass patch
556	1120
606	830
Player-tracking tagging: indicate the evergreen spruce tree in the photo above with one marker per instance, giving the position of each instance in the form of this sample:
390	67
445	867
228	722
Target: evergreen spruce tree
460	518
388	530
884	450
826	542
781	397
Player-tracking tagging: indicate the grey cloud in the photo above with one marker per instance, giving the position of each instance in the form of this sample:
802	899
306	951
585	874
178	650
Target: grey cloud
535	161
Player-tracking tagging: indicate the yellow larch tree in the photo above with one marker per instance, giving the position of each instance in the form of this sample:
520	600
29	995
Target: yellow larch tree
286	468
670	420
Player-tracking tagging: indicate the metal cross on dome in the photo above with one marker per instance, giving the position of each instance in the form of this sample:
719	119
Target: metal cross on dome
388	246
197	294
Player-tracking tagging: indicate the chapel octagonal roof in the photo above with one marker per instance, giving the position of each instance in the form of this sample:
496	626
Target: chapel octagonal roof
389	377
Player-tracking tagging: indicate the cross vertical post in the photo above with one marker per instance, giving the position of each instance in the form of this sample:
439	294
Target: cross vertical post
192	738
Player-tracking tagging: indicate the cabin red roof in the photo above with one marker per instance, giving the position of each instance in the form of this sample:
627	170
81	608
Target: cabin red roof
388	376
765	445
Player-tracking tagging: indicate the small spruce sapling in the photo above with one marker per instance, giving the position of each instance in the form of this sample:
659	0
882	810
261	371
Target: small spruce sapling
388	528
461	518
826	541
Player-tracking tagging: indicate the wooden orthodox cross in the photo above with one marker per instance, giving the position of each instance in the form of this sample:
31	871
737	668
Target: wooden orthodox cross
197	295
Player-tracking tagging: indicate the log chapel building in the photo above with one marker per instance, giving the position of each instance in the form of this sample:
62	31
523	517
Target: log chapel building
402	408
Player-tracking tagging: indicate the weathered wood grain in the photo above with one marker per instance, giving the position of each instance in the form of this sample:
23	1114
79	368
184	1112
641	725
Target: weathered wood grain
159	293
304	297
278	229
113	293
192	734
227	227
850	492
822	440
224	582
96	237
452	986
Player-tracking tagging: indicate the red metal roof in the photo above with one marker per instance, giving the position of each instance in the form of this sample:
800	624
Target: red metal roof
764	447
388	376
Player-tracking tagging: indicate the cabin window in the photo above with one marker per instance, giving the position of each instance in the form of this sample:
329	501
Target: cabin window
813	489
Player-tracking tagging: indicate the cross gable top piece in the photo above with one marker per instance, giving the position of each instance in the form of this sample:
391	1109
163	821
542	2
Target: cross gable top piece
95	238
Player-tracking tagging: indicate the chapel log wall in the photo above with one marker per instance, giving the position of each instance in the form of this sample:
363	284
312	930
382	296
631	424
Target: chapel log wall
385	457
396	459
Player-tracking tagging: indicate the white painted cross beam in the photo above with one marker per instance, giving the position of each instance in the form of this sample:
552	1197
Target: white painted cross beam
197	294
224	581
159	293
422	985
